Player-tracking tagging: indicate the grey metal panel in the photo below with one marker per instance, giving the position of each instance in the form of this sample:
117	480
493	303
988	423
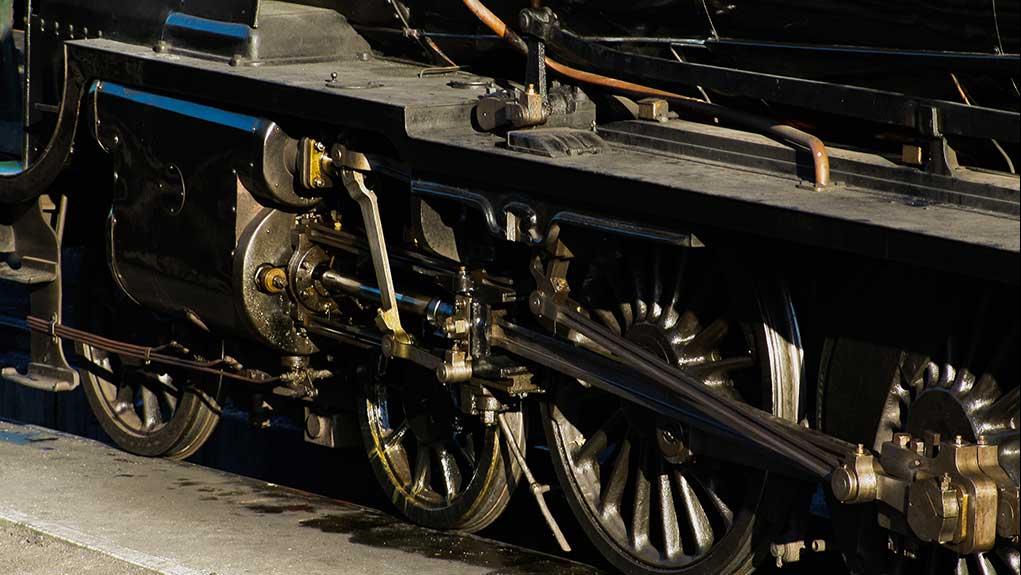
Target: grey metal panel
428	124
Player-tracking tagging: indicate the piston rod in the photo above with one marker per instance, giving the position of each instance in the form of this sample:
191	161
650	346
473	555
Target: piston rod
433	309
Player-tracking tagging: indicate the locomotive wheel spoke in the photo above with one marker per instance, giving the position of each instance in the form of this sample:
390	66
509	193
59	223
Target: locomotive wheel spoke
708	339
717	505
613	492
642	500
449	470
598	441
395	437
687	326
592	447
698	521
169	399
640	308
125	401
627	315
722	367
671	525
678	288
656	294
150	409
467	450
422	470
609	320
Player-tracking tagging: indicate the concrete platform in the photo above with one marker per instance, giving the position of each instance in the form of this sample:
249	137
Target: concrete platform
24	551
91	504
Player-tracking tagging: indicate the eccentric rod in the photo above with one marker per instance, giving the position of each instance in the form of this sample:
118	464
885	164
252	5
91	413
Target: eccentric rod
621	379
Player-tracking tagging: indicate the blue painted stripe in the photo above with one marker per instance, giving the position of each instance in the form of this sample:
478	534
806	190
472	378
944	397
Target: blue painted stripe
183	107
10	168
216	27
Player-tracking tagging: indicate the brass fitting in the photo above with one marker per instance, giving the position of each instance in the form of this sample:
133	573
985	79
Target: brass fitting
315	164
653	109
934	510
952	493
456	367
271	279
856	480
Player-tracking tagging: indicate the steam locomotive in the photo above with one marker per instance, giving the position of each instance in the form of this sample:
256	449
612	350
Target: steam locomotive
733	264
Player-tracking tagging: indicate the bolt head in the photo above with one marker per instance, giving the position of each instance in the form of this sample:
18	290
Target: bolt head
312	426
535	303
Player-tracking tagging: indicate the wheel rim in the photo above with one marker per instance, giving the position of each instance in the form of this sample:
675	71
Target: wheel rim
631	476
441	467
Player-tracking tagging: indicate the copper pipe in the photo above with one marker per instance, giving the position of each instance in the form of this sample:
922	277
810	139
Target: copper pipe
820	157
614	83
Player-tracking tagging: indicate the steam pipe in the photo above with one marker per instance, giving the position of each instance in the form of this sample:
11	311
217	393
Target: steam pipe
789	134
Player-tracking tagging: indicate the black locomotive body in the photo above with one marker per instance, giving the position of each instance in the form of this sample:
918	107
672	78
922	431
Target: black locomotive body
723	252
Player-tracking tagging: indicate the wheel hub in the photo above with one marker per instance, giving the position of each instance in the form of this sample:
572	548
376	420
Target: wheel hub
940	411
670	436
672	446
430	412
655	339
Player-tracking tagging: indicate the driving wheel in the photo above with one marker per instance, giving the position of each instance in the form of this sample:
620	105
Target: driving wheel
440	467
641	491
147	410
963	386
